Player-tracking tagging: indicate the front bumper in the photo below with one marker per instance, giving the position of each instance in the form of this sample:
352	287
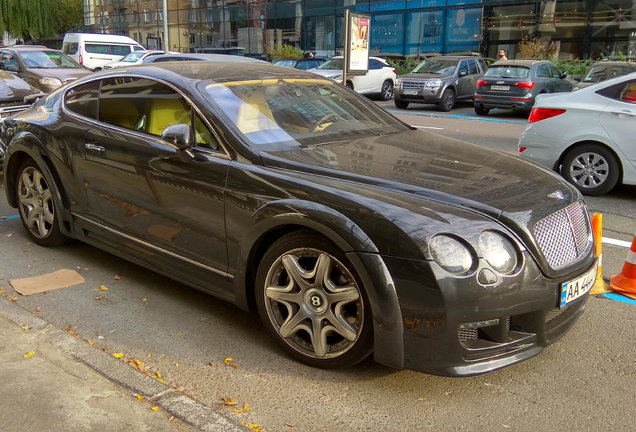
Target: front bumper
523	103
456	326
427	95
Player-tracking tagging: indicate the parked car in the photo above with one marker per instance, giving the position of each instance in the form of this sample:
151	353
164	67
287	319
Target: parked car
15	95
300	63
514	84
586	135
43	68
160	58
605	70
379	80
94	50
281	191
135	57
440	80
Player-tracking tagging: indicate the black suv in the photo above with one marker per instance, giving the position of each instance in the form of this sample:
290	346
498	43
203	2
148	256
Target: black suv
440	80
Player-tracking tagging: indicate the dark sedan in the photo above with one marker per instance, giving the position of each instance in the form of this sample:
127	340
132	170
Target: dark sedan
283	192
513	84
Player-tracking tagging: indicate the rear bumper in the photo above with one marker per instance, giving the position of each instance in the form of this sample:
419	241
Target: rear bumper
505	102
461	328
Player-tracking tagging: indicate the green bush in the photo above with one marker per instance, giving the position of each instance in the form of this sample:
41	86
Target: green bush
403	66
286	51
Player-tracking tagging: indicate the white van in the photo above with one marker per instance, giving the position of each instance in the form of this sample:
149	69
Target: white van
94	50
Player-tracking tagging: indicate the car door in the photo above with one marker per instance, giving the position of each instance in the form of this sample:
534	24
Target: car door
465	84
544	80
371	82
619	121
560	84
148	190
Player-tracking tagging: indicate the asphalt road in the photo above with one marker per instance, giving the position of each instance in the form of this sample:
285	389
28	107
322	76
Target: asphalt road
585	382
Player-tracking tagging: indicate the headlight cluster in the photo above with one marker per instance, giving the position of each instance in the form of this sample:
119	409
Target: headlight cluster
50	81
456	256
434	83
398	83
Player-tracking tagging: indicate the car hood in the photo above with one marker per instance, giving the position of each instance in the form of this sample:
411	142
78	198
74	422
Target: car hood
64	74
13	88
423	76
415	167
327	73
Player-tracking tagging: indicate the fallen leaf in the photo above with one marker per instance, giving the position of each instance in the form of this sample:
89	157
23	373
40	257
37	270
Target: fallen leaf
144	300
139	397
26	328
13	299
227	360
29	354
137	365
8	235
289	425
228	402
179	389
117	277
254	427
235	366
118	355
103	288
90	342
2	290
245	408
213	364
158	374
69	329
154	408
99	298
28	250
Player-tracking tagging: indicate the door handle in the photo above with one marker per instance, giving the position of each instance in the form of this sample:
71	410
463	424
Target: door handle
624	113
94	147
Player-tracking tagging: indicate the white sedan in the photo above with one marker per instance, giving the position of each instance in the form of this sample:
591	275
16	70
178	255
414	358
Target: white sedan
587	136
379	80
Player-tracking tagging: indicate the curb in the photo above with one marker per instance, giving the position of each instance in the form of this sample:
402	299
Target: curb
183	407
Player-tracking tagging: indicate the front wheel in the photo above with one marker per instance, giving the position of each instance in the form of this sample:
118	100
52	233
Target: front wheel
387	90
310	299
36	205
447	102
592	169
401	104
481	110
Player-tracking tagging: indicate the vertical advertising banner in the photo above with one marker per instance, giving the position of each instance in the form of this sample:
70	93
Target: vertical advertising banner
357	43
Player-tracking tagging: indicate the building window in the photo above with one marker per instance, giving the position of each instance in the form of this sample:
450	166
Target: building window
147	15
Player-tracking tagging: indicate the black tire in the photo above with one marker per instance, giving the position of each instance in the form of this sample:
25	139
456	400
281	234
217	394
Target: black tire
387	90
401	104
349	85
290	310
447	102
481	110
591	168
37	206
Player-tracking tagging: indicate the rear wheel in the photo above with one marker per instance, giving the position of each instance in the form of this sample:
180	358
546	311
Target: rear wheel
481	110
36	204
387	90
592	169
401	104
310	298
447	102
349	85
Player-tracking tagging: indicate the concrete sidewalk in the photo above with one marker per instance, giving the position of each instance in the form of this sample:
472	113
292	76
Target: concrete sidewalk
68	385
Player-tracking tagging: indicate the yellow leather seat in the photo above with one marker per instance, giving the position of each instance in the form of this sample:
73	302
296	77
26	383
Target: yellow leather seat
165	112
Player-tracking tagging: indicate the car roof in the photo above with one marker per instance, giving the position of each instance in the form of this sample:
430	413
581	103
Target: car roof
614	63
526	63
30	48
210	57
454	57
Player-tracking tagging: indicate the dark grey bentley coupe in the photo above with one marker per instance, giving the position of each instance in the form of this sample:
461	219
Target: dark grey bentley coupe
282	192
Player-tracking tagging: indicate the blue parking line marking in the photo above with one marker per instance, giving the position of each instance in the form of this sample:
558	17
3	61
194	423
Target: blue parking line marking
460	116
618	297
10	217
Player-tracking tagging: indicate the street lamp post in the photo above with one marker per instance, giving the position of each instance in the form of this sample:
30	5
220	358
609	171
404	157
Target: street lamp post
166	37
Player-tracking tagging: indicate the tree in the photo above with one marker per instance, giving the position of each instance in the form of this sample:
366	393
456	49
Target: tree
33	19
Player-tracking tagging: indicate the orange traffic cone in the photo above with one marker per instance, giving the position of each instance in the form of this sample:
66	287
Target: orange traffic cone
625	283
600	286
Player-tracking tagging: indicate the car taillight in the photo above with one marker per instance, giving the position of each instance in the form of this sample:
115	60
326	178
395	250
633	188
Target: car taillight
395	71
81	57
538	114
525	84
481	83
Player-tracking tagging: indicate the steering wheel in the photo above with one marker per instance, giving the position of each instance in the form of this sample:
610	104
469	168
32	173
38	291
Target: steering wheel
323	123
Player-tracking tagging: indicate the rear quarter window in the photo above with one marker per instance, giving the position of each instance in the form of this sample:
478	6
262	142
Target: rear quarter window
70	48
82	99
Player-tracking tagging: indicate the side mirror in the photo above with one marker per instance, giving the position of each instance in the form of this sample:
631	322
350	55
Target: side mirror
463	73
563	75
179	135
12	68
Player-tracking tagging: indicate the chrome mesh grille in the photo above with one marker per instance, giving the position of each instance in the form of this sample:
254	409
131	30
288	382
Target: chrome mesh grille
467	334
564	235
412	85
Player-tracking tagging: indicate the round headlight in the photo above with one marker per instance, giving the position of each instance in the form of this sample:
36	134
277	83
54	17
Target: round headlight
451	254
498	251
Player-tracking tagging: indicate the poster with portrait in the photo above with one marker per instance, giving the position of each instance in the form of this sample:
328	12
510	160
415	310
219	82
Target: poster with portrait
357	43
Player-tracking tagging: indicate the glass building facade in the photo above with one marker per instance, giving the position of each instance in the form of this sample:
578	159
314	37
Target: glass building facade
406	28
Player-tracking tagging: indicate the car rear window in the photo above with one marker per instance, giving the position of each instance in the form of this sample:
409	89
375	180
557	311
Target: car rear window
507	71
69	48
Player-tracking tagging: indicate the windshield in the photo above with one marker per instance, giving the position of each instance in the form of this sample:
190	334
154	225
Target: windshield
133	57
507	71
603	72
333	64
47	60
437	66
283	114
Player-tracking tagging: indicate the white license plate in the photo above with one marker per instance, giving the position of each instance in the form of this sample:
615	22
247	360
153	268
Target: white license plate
499	87
578	287
410	92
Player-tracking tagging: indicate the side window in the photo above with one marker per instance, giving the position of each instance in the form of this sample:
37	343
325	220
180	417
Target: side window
463	67
70	48
203	136
149	107
472	64
374	65
121	50
544	71
82	99
97	48
629	93
9	59
555	71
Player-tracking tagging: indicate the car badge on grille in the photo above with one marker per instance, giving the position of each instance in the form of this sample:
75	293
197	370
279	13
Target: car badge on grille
500	82
557	195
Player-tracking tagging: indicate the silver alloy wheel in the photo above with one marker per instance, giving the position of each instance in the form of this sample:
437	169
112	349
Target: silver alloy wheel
314	303
35	202
387	90
589	170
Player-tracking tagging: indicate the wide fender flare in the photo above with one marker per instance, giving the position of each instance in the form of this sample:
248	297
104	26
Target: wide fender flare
32	147
361	252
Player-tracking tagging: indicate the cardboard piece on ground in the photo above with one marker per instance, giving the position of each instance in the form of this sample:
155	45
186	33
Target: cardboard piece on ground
38	284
